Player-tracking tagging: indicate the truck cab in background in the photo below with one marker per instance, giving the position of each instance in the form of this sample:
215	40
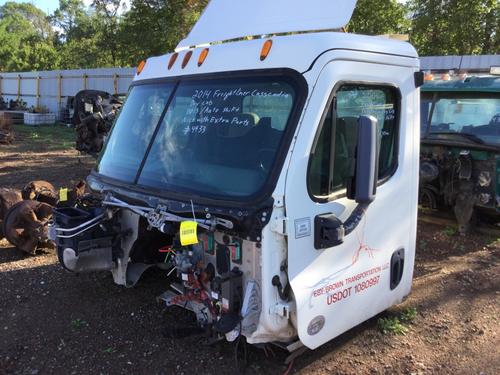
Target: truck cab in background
460	150
270	166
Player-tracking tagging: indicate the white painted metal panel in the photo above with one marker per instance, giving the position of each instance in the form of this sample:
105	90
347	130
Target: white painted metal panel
316	275
229	19
296	52
472	63
72	81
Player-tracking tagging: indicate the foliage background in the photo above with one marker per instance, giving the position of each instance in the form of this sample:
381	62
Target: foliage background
76	36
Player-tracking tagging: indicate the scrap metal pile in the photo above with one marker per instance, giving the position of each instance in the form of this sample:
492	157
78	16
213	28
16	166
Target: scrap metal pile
25	214
93	117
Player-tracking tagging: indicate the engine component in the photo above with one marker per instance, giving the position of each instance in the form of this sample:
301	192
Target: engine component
223	257
188	260
458	178
428	196
484	179
227	290
26	225
484	198
428	172
8	198
464	206
93	117
465	171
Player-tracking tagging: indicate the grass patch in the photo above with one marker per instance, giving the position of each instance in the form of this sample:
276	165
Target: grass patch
78	323
449	231
397	325
50	137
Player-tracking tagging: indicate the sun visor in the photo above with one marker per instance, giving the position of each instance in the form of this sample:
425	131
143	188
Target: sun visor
224	20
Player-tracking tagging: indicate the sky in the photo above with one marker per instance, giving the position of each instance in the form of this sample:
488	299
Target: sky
48	6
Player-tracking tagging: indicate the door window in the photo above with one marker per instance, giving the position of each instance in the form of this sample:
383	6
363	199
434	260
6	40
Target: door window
331	160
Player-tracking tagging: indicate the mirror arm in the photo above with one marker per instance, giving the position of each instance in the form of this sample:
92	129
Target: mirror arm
355	218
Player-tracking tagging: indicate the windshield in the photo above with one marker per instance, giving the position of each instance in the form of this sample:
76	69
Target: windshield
469	116
214	137
132	132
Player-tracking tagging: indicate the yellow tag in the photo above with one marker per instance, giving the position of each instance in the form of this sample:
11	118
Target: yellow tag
63	195
188	233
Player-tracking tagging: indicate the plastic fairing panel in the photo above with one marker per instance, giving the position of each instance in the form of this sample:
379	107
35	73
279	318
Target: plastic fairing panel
229	19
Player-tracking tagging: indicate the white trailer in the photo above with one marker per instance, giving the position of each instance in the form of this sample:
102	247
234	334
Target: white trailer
270	165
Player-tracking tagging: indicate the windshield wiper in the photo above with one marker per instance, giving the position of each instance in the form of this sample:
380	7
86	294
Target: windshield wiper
157	217
469	136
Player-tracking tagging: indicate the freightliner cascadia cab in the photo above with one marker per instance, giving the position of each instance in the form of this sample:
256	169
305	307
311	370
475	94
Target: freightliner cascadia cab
270	167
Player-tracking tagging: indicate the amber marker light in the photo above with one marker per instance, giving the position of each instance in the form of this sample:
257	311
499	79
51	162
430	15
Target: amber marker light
141	66
186	59
172	60
266	48
429	77
203	56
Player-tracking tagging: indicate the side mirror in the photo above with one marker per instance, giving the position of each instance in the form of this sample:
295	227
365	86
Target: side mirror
363	184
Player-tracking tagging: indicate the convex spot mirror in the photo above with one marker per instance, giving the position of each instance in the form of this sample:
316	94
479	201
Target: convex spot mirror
363	184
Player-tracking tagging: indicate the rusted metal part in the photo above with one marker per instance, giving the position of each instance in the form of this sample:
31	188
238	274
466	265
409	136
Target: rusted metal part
41	191
8	198
24	215
26	225
94	114
6	133
461	180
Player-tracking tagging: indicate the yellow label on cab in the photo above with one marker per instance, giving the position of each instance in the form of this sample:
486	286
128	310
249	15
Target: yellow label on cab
189	235
63	195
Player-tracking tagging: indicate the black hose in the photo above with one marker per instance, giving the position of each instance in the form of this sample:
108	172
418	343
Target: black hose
355	218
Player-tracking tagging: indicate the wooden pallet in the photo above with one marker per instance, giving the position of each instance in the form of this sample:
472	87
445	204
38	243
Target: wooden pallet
15	117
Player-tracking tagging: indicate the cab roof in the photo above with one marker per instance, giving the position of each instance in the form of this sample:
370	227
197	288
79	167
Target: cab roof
470	84
293	51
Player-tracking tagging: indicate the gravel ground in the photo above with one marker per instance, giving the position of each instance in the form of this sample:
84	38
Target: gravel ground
54	322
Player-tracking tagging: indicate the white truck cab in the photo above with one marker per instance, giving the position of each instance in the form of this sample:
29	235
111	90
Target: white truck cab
270	166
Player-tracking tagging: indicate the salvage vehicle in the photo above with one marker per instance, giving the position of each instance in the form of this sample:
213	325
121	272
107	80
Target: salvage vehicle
93	115
278	189
460	150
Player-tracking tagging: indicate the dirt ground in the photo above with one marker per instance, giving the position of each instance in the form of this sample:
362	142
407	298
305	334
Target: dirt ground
54	322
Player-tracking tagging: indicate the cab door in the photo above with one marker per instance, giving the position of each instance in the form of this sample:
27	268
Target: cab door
340	286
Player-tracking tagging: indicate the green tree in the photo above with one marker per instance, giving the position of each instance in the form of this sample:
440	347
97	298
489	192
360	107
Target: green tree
87	37
69	18
377	17
26	39
38	20
107	23
154	27
455	27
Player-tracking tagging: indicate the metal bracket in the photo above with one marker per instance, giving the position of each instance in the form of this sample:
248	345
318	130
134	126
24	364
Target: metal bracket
279	201
283	309
280	226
